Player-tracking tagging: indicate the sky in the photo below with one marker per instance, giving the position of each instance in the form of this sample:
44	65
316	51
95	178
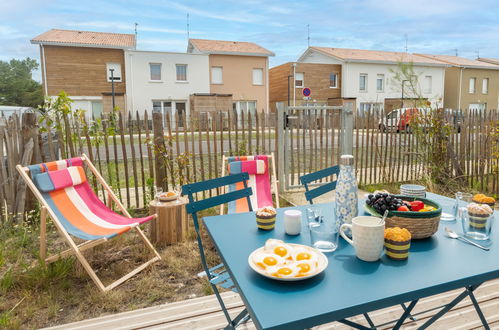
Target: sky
468	27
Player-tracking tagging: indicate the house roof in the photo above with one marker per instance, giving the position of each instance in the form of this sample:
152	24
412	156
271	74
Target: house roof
85	39
228	47
462	62
374	56
489	60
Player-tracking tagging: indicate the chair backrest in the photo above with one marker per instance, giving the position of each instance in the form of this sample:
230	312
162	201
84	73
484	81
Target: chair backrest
261	179
307	179
191	191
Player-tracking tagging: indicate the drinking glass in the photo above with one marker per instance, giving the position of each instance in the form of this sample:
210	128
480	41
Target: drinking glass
476	226
157	192
178	191
324	234
462	201
314	215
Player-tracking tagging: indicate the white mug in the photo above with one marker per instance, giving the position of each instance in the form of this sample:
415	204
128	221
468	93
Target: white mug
368	237
292	222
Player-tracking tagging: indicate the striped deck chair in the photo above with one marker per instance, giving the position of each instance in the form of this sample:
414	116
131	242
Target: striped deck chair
259	180
65	195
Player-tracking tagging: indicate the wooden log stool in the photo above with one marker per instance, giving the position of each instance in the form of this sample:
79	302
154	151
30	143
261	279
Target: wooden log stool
171	225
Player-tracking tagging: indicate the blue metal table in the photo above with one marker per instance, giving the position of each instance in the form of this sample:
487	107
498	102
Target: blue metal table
349	286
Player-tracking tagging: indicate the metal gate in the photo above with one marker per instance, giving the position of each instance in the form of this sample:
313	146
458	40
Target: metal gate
312	138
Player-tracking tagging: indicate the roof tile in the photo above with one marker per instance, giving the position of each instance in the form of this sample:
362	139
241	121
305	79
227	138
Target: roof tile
222	47
375	55
74	37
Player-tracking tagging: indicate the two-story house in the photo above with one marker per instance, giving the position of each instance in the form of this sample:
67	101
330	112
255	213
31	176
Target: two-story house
369	78
83	64
469	84
239	69
165	82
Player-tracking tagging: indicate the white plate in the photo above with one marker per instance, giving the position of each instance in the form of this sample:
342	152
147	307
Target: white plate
322	264
168	199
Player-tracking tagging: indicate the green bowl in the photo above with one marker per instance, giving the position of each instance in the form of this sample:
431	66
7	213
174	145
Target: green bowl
410	214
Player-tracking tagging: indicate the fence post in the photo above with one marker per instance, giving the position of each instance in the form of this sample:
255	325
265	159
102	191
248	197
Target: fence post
347	129
158	146
280	143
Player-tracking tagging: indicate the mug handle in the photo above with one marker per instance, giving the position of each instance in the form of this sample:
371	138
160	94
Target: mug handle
342	233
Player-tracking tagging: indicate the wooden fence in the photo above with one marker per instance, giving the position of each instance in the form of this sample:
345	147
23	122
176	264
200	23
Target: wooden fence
134	152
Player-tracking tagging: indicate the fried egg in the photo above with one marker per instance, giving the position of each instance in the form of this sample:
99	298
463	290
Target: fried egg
278	247
284	271
301	253
265	260
306	267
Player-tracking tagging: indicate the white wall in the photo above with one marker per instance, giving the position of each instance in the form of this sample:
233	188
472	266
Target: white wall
350	76
141	91
392	89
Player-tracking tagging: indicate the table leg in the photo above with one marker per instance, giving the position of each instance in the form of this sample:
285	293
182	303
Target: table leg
477	308
468	292
354	325
406	313
410	315
239	319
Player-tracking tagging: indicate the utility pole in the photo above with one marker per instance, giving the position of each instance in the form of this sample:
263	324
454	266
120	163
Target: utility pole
406	41
188	32
455	50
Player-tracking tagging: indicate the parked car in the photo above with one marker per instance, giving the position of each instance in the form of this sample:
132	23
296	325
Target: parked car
399	119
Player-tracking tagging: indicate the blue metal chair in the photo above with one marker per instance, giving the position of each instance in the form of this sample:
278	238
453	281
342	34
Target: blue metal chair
217	276
307	179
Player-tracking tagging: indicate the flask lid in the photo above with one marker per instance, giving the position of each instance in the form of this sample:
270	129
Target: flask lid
346	160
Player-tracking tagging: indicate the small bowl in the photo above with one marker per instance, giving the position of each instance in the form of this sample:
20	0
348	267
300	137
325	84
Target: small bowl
397	250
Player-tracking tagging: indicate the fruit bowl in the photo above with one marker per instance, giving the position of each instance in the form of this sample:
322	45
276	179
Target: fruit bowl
420	224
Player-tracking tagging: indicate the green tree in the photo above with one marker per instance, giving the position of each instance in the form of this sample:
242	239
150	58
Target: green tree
17	86
405	77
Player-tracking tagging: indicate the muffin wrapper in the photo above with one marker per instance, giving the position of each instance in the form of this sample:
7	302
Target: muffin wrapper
397	250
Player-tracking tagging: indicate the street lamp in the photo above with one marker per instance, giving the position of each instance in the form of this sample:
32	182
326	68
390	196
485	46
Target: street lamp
403	83
112	86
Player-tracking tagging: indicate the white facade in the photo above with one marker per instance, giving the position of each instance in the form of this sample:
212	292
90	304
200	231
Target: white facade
163	81
360	80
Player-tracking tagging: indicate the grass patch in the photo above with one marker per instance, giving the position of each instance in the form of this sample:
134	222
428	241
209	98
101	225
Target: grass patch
35	295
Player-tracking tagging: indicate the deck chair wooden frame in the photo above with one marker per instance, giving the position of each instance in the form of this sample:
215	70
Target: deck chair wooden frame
273	179
78	249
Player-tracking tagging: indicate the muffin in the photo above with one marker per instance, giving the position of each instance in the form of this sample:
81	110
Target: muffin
397	243
479	214
484	199
265	218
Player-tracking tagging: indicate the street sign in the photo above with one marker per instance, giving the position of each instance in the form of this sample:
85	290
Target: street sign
306	91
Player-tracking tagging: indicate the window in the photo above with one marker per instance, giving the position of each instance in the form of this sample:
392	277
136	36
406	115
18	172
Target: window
181	72
172	108
485	86
472	85
380	83
363	82
243	108
372	107
155	69
257	76
299	80
333	80
114	70
427	84
216	75
96	109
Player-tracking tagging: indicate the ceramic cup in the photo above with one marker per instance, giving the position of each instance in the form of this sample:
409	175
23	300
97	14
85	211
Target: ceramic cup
367	237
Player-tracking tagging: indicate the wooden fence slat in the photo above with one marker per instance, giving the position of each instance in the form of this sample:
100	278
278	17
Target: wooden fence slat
159	146
186	146
194	153
125	158
90	150
141	154
134	162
